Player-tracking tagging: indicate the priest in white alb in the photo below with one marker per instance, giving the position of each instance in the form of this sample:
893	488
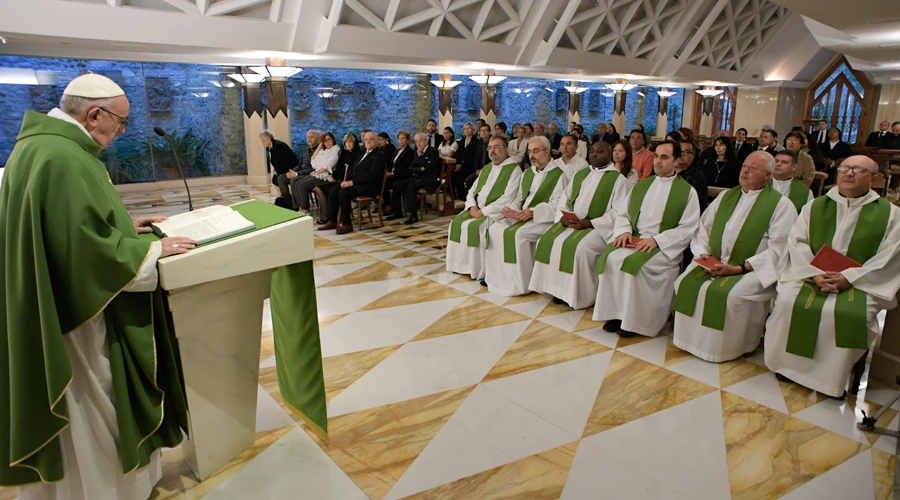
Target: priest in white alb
637	270
824	319
566	254
509	258
497	187
720	311
784	182
570	162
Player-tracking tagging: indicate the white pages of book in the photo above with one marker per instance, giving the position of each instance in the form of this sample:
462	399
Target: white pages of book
205	225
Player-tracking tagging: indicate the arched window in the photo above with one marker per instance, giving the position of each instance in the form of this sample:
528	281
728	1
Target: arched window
842	97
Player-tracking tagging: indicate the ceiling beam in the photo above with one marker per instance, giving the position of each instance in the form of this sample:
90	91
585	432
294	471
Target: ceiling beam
223	7
184	5
114	3
275	11
666	64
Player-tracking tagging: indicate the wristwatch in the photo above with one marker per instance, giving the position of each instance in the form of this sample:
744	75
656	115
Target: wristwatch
744	268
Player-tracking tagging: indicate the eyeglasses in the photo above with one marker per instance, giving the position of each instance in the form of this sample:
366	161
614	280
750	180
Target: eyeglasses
123	121
496	147
856	170
791	141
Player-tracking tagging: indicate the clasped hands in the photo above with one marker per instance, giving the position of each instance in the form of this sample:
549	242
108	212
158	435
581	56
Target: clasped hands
644	245
831	282
517	215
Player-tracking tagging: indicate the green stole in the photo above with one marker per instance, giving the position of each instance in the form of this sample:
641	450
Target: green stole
597	208
473	239
542	195
798	194
850	329
745	246
677	201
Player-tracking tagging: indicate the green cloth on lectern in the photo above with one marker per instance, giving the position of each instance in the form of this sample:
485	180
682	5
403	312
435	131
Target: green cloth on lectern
69	249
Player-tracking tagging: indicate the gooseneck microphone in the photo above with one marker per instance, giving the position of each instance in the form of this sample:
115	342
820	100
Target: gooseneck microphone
162	133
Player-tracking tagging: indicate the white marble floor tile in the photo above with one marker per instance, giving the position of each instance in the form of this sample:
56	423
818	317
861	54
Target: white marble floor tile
269	414
293	467
563	394
699	370
651	351
385	255
405	322
600	336
469	287
566	321
887	443
372	246
851	479
354	333
835	416
882	397
453	454
758	356
493	298
423	270
268	363
327	274
762	389
499	422
531	308
675	447
348	298
427	367
401	263
443	278
595	475
325	253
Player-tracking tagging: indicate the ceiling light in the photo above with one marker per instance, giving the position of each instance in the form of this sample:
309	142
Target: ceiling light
709	91
445	84
247	78
487	79
621	85
399	86
222	83
664	92
276	71
575	88
18	76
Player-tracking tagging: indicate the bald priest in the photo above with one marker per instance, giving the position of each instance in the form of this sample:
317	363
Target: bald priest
720	310
90	385
823	322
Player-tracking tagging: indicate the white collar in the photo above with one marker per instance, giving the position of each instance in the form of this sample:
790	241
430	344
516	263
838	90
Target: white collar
62	115
611	166
774	180
865	199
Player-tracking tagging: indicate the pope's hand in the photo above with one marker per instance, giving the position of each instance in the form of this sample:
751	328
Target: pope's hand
176	245
142	224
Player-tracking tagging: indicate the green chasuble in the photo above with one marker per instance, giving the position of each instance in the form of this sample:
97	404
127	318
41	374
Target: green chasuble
597	208
473	238
798	194
68	249
542	195
677	201
745	246
850	328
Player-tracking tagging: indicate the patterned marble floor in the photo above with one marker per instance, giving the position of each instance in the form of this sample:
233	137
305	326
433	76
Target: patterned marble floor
438	388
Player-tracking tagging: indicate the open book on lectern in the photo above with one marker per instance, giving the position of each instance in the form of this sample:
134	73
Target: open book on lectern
204	225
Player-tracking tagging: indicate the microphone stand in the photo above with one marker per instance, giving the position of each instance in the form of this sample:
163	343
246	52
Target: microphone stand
168	138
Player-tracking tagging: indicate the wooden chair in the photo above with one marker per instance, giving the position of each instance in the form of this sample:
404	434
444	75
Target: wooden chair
820	178
367	201
444	189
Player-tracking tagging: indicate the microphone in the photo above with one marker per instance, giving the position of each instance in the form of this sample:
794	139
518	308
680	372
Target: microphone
162	133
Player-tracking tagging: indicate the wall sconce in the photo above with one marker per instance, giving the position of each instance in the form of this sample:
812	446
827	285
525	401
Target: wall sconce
664	92
709	91
621	85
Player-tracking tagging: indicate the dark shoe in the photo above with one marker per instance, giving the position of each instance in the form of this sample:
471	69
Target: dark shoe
626	334
612	325
413	219
320	222
394	216
782	378
328	226
483	282
557	300
344	229
842	397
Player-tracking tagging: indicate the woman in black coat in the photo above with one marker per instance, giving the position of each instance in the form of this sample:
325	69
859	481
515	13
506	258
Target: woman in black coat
466	157
722	169
612	136
346	158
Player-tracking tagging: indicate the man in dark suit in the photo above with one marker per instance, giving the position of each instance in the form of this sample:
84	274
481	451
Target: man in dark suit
766	142
434	139
742	148
425	169
364	179
892	140
820	136
282	159
481	158
875	138
554	137
601	133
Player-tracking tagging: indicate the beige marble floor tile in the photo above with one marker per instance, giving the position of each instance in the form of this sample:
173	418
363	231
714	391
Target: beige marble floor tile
321	243
552	309
178	482
406	254
473	314
327	320
424	261
738	370
380	271
343	370
406	233
770	453
376	446
586	323
627	341
344	256
358	237
520	299
634	388
675	355
883	465
465	278
266	348
539	346
797	397
420	290
538	477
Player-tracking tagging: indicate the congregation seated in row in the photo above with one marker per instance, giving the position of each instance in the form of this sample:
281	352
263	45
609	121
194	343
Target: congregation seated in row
588	237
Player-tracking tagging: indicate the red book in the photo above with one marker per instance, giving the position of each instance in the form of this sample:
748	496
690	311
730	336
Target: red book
708	263
570	216
634	242
830	261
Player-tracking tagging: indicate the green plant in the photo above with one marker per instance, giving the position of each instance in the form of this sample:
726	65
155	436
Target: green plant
127	162
190	147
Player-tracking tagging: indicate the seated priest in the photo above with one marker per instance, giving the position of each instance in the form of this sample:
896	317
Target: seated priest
824	319
497	187
566	254
784	182
720	312
637	271
509	258
365	178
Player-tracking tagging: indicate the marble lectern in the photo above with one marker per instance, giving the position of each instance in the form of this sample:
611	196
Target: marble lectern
216	294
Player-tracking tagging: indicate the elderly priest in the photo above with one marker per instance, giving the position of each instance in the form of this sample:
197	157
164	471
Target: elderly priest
784	182
566	254
509	259
90	385
824	317
496	188
637	271
720	310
